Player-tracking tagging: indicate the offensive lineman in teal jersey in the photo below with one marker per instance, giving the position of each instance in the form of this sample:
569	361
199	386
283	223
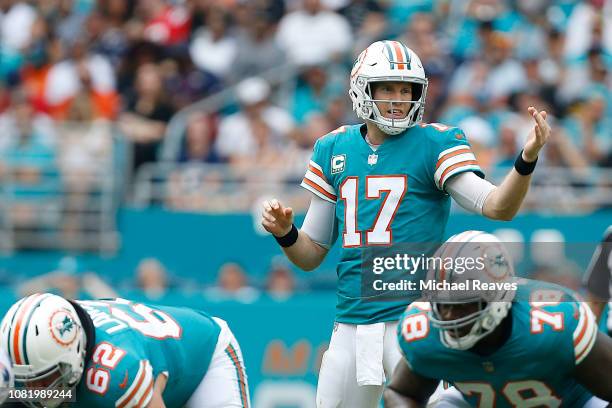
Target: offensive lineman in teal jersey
533	344
385	182
116	353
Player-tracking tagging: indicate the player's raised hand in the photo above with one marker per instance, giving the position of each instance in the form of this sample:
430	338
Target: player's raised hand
277	219
538	136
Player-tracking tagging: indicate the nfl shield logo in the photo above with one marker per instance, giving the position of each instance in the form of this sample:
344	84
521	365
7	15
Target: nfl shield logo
372	159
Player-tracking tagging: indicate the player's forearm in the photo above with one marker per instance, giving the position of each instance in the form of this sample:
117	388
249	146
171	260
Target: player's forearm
394	399
505	201
305	253
157	401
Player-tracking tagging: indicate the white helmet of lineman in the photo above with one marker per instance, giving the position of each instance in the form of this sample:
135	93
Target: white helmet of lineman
387	61
491	264
46	342
7	380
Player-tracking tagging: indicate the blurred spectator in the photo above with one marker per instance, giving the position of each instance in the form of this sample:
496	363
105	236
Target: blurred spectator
17	19
258	49
367	21
68	21
280	281
152	278
259	132
164	23
106	28
199	140
482	138
507	148
144	121
494	76
85	155
184	83
590	128
70	280
589	25
28	167
314	89
214	48
312	33
83	71
232	285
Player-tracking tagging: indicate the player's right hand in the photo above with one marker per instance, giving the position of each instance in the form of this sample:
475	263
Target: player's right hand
277	219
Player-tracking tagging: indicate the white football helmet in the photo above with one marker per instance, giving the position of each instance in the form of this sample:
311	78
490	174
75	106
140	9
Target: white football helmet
46	343
492	263
387	61
7	380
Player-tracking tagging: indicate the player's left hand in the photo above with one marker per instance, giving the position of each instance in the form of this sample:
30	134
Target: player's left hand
538	136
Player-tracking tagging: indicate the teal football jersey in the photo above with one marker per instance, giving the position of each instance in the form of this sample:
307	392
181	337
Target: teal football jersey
551	334
135	343
391	195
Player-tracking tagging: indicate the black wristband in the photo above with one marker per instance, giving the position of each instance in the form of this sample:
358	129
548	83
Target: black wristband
522	167
289	239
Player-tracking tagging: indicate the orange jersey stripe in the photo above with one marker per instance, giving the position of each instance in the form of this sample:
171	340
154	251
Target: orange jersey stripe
144	396
398	54
319	189
582	332
454	166
452	154
316	171
135	390
587	348
239	370
18	327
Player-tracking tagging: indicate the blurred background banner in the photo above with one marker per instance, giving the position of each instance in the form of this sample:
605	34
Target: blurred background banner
138	139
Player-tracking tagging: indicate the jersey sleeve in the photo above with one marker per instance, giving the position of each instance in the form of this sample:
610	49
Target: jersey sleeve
454	156
572	337
318	176
584	333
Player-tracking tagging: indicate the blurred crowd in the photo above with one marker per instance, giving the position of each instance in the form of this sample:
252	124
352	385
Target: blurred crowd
123	68
151	279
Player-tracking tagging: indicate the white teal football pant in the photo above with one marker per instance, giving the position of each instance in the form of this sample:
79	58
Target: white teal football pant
225	383
340	368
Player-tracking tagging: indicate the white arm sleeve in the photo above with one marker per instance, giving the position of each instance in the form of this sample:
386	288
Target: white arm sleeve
469	191
320	222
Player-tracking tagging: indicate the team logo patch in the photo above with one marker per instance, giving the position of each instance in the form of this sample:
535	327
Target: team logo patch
372	159
63	327
496	264
338	163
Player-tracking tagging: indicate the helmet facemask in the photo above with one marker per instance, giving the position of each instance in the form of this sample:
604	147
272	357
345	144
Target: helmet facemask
488	316
367	108
57	377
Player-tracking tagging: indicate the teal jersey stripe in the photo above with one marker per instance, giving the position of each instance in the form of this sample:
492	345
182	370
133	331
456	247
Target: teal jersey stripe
26	326
407	55
390	52
8	346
